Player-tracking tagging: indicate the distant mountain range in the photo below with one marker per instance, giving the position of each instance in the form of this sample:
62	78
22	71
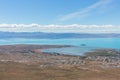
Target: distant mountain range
42	35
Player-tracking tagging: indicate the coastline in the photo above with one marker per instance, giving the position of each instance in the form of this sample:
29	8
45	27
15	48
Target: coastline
23	52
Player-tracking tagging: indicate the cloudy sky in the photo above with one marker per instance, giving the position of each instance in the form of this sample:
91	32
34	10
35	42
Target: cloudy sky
76	16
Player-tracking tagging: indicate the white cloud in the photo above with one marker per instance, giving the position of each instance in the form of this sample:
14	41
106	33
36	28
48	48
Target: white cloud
74	28
86	11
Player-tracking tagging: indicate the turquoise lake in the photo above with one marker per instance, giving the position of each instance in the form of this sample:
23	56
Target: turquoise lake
90	43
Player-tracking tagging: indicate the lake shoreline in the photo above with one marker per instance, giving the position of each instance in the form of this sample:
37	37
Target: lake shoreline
33	53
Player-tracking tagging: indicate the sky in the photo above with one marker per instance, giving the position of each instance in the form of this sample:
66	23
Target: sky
76	16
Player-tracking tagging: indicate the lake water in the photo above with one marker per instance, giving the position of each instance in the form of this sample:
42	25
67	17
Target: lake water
90	43
69	50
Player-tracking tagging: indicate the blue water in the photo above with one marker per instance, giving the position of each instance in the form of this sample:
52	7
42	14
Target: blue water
90	42
69	50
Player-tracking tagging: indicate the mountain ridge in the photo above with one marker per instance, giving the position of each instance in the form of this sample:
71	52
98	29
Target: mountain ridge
43	35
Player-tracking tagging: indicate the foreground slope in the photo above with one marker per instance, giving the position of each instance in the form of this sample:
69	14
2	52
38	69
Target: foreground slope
26	62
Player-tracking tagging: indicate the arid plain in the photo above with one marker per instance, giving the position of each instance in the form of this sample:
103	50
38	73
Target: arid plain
27	62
